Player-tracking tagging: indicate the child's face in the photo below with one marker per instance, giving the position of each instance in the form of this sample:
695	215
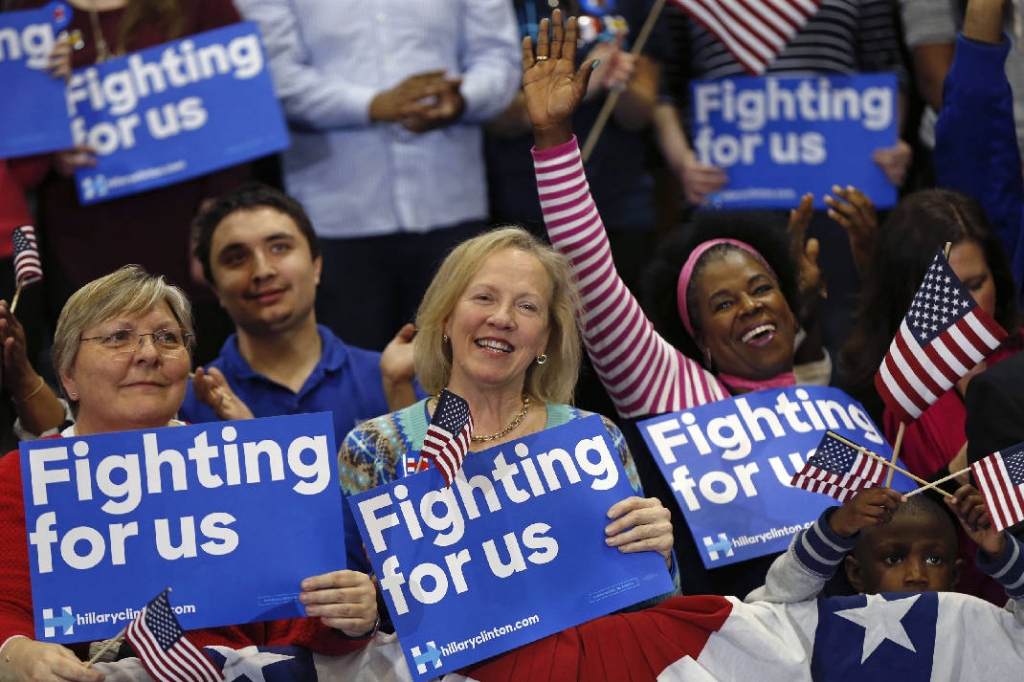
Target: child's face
913	553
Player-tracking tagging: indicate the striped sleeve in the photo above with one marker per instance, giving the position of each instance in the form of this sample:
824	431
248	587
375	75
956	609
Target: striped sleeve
1008	568
802	571
643	373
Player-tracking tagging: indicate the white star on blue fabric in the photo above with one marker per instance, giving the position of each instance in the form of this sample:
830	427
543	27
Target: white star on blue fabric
248	661
881	621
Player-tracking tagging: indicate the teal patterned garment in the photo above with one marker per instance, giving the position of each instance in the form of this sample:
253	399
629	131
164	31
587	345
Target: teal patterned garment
375	452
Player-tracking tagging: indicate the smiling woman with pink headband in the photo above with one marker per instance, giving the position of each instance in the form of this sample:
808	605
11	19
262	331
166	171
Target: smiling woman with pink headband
724	318
733	311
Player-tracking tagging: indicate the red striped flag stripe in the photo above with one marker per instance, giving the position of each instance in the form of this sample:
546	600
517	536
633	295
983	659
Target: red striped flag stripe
754	31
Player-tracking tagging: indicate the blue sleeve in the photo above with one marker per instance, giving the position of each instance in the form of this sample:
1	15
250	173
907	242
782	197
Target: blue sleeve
976	141
1008	568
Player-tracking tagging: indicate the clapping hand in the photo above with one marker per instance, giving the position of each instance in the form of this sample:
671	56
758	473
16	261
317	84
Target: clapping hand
855	211
213	390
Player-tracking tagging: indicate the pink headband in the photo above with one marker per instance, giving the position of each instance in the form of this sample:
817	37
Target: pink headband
683	285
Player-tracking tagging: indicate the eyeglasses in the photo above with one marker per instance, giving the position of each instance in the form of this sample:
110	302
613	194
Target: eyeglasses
166	341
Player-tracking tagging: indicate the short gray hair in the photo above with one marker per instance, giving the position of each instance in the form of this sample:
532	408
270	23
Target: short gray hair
131	291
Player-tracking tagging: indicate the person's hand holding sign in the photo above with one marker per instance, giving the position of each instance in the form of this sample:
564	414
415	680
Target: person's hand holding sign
343	600
641	524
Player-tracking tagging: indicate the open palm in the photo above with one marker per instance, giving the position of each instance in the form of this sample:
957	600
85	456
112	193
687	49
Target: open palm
552	86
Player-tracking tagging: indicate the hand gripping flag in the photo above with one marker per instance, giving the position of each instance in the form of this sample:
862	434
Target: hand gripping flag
447	439
942	337
27	267
838	469
164	650
754	31
1000	478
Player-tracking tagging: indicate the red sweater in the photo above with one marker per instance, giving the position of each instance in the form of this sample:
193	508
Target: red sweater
16	589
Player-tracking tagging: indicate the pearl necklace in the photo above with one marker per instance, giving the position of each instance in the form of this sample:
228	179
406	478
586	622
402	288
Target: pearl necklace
516	421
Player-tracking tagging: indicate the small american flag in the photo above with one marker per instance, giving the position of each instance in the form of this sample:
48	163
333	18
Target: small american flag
27	267
1000	478
754	31
943	335
447	439
839	470
164	650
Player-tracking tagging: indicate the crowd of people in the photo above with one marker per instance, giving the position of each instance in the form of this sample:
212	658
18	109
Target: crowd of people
404	243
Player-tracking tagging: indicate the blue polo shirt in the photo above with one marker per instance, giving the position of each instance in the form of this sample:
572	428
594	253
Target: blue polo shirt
346	382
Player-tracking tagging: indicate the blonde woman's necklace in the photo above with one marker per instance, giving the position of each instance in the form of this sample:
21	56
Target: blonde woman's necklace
516	421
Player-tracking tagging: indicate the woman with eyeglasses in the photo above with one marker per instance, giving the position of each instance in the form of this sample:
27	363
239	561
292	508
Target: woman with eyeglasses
122	353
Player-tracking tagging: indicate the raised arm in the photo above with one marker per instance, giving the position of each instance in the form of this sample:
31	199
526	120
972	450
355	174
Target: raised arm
975	137
642	372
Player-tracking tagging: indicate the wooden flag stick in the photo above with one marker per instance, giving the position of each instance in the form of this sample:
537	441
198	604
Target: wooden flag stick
939	482
14	301
118	638
613	96
895	454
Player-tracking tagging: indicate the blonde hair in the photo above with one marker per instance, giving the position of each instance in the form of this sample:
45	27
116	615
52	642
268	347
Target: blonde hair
128	291
552	382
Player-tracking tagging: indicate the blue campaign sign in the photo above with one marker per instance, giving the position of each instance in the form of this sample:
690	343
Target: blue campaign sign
33	117
175	111
781	137
512	552
231	515
730	463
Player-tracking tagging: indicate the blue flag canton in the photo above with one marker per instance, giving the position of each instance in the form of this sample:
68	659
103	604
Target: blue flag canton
161	622
20	242
1013	460
451	413
883	637
835	456
941	301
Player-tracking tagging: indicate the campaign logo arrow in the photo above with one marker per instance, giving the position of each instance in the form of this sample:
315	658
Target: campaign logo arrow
432	655
65	621
722	544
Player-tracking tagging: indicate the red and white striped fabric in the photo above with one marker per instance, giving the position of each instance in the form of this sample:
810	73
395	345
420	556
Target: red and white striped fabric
754	31
839	470
642	372
28	269
1000	478
448	436
913	638
161	645
942	337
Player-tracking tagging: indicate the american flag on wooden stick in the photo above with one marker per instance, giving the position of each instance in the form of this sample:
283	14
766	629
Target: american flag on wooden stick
27	267
839	469
1000	478
942	337
163	649
447	439
754	31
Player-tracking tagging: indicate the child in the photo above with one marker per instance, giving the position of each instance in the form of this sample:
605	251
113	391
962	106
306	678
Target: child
895	544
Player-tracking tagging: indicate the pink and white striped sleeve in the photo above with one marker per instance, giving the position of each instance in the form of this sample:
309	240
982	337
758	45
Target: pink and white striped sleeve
643	373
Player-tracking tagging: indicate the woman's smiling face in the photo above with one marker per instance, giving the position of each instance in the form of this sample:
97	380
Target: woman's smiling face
743	319
500	323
